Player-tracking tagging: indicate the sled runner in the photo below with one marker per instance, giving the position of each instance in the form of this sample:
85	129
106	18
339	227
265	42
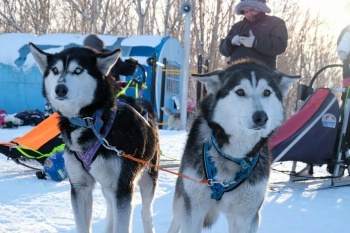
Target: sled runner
316	134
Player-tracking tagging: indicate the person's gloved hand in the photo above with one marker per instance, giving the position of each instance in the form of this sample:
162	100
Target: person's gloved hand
236	40
248	41
128	67
131	61
342	55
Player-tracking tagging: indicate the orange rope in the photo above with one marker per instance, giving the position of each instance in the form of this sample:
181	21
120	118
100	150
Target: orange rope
160	168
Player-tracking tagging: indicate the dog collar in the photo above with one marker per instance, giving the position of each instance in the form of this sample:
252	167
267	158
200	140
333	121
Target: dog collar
220	187
95	123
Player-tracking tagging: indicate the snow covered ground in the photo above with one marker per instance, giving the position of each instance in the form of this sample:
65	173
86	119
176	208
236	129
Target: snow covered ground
28	204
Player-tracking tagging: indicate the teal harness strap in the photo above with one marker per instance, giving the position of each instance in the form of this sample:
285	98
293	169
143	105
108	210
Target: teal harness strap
220	187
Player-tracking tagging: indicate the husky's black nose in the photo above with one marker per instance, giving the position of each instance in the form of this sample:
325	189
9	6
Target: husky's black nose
61	90
260	118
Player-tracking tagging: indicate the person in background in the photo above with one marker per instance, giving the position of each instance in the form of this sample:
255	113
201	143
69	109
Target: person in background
343	50
125	68
258	35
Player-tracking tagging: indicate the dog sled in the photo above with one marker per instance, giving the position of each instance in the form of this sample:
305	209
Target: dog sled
138	84
38	144
40	149
317	134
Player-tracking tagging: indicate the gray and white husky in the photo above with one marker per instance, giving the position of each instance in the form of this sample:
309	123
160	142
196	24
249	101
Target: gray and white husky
97	129
174	121
226	154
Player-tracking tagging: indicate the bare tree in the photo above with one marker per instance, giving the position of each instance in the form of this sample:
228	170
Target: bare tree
141	7
9	16
166	16
38	13
309	49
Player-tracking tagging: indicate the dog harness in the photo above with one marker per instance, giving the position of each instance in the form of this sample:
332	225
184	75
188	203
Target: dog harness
218	188
95	123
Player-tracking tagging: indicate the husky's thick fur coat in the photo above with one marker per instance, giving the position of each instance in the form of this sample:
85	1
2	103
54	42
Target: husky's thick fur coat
77	84
227	148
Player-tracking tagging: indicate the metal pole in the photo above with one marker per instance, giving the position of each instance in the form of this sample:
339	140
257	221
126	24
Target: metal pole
342	140
163	91
199	84
153	84
186	8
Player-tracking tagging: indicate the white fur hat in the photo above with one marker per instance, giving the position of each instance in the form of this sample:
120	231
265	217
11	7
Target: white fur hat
259	5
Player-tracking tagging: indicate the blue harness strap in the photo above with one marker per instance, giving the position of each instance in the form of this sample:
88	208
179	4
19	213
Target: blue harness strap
220	187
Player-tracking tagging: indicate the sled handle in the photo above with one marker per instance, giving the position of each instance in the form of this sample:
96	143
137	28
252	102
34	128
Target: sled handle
321	70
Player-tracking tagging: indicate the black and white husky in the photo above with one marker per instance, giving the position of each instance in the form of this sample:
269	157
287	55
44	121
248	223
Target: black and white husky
97	129
225	156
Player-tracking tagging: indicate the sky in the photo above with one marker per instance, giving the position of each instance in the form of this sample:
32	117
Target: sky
30	205
335	12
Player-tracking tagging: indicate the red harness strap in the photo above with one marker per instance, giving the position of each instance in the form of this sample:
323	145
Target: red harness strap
128	156
346	82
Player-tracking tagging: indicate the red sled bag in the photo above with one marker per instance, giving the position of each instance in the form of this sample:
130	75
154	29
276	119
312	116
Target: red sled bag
2	117
309	136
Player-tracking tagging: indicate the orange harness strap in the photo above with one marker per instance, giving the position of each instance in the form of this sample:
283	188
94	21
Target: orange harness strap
128	156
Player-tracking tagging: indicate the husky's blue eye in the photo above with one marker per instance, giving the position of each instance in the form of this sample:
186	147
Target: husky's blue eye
240	92
54	70
267	93
78	71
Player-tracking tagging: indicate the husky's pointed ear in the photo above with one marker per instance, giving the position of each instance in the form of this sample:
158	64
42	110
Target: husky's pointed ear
40	57
285	81
105	61
211	80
